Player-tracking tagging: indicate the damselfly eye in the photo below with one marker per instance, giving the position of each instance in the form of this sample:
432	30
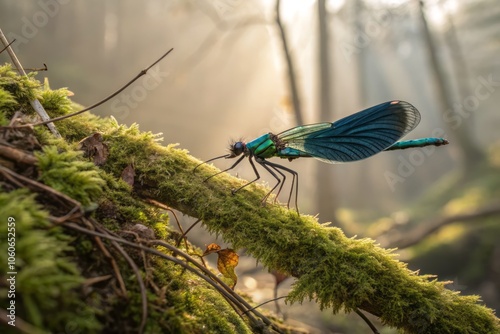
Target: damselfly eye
237	148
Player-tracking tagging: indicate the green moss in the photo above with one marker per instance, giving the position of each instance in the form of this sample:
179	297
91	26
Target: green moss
69	173
23	89
7	104
56	102
48	280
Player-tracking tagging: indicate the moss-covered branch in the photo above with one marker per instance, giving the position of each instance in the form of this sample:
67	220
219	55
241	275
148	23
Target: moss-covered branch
337	271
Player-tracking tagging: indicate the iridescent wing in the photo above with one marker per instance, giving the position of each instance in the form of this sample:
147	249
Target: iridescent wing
354	137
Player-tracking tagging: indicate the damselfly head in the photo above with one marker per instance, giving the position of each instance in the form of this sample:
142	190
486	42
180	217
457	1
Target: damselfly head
236	149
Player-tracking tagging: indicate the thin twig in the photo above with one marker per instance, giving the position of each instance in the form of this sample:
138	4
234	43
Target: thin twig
183	236
205	274
141	73
94	280
34	103
145	261
5	48
264	303
66	217
165	207
14	118
40	186
143	254
133	265
212	276
44	68
110	257
10	177
368	322
114	265
17	155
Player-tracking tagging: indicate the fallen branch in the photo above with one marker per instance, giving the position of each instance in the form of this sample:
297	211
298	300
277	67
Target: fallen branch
338	272
423	230
16	155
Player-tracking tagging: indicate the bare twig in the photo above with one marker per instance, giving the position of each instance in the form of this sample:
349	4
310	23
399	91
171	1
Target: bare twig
94	280
16	155
110	257
165	207
264	303
37	186
133	265
116	269
44	68
141	73
34	103
72	214
14	119
145	261
206	274
213	277
183	236
10	177
6	46
368	322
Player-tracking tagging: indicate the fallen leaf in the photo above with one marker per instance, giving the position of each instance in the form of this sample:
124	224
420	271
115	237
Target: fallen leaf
128	175
227	261
212	248
95	148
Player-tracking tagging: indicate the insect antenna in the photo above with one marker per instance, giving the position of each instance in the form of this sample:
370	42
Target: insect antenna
216	158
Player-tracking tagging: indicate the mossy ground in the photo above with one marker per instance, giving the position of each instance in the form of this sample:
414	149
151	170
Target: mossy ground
338	272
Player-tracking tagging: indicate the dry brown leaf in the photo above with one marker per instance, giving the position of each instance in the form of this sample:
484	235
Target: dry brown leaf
212	248
128	175
95	148
227	261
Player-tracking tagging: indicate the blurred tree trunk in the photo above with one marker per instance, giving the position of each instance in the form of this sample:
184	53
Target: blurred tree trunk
294	92
326	199
468	150
358	11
